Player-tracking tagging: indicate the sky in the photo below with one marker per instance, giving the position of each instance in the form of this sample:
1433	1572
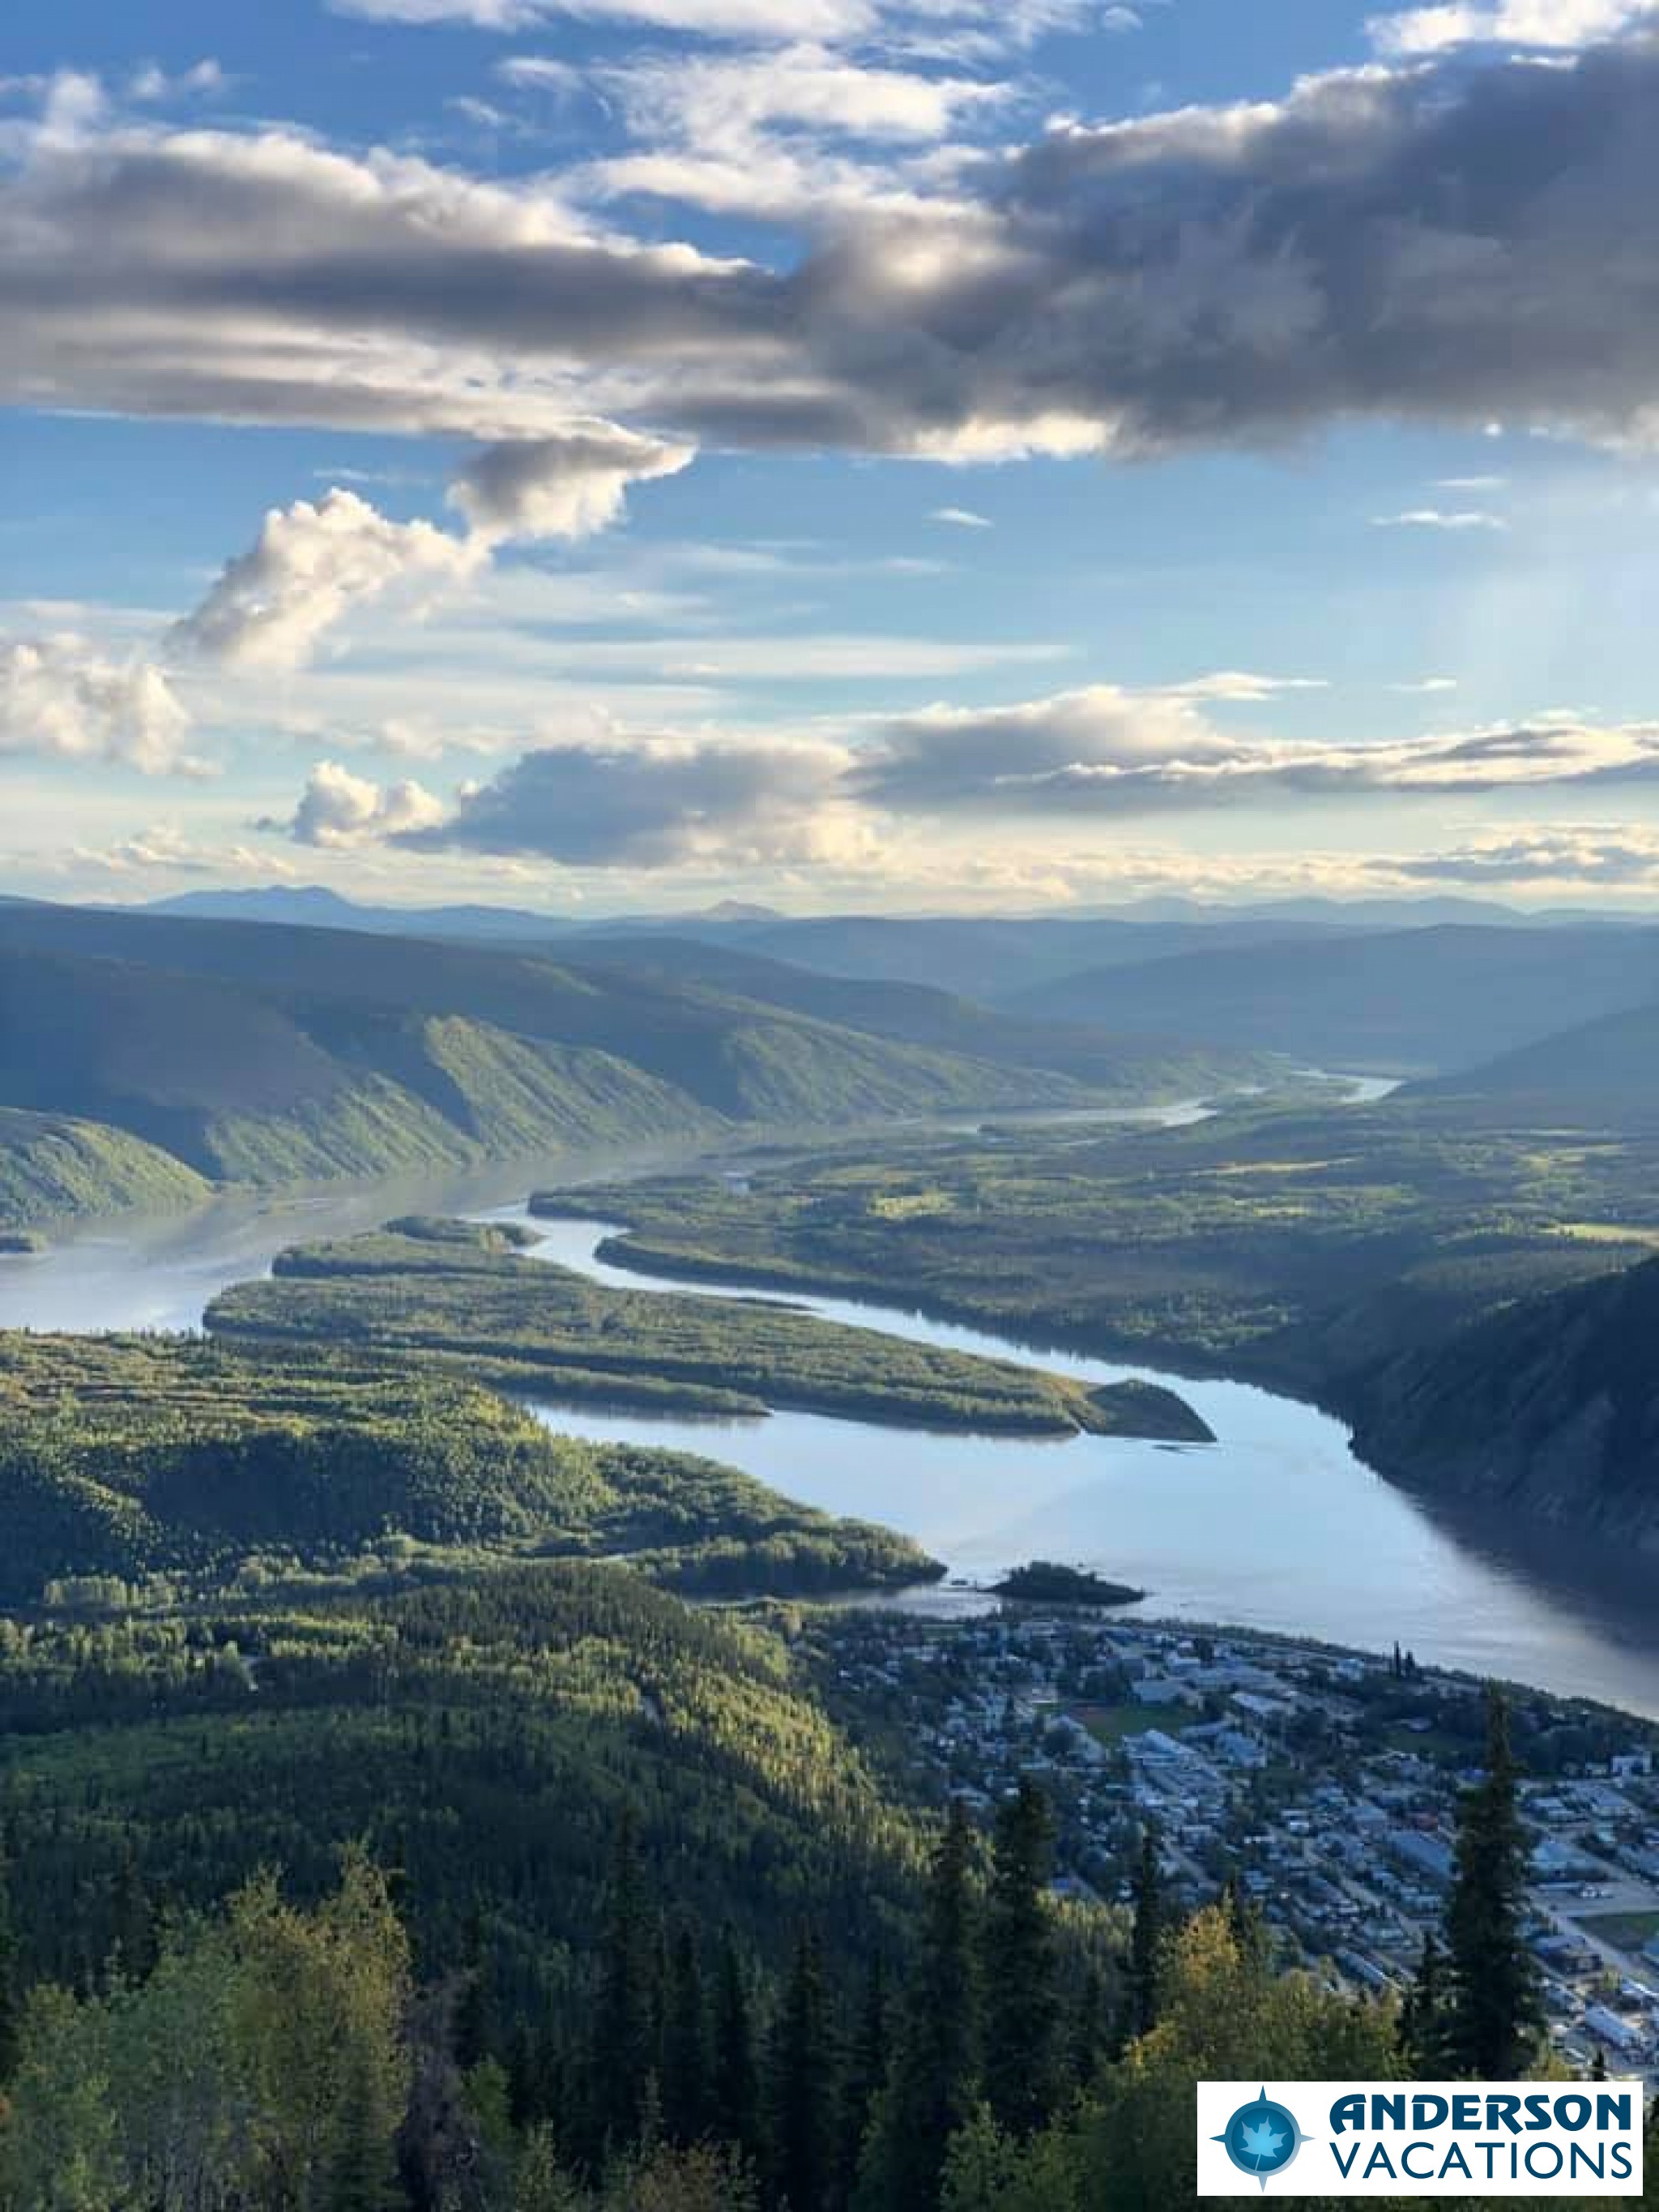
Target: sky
895	455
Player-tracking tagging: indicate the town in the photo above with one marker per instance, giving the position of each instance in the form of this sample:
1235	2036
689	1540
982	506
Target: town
1323	1783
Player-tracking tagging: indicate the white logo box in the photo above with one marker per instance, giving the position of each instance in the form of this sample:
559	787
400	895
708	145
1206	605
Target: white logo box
1416	2138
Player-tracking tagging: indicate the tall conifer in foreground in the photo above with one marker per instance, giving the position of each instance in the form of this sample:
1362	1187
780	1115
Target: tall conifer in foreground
1493	2013
1021	1968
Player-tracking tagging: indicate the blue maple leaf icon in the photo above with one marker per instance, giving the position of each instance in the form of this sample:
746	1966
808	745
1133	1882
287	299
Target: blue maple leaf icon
1263	2142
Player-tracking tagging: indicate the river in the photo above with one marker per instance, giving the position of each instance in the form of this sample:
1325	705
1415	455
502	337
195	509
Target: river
1277	1526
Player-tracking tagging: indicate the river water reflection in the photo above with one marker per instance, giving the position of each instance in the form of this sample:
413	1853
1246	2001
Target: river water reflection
1278	1526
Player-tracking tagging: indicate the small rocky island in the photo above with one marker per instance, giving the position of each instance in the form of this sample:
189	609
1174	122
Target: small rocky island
1045	1583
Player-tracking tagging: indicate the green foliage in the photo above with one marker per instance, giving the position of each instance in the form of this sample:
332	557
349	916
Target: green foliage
463	1301
483	1738
128	1458
261	2063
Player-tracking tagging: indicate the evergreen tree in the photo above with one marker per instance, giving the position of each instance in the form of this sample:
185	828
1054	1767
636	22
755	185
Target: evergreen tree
864	2071
802	2103
364	2174
685	2049
735	2092
10	1979
1423	2015
623	2049
1244	1918
473	2028
1020	1967
1146	1939
1494	2014
932	2081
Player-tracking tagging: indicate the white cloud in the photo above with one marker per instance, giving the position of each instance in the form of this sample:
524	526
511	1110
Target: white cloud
1115	752
1552	25
1436	517
567	486
726	19
962	517
1426	687
697	101
308	569
340	809
1620	856
64	697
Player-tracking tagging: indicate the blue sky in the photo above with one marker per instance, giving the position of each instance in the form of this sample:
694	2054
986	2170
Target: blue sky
875	454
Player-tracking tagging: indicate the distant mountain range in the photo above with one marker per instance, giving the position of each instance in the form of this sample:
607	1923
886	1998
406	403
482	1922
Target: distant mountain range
1410	1002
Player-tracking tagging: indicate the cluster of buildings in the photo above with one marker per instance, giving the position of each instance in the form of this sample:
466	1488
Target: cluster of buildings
1325	1784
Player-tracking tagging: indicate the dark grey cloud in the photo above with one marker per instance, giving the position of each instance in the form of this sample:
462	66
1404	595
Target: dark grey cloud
1436	241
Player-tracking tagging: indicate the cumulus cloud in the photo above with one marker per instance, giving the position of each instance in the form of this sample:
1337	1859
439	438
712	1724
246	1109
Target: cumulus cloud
650	801
1110	751
339	809
567	486
1424	242
1549	25
66	698
309	566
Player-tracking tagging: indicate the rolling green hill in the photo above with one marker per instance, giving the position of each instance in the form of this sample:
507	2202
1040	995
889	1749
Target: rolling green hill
1549	1407
1419	1001
267	1054
124	1458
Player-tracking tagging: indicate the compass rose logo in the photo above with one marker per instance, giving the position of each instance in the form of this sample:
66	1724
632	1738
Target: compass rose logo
1261	2138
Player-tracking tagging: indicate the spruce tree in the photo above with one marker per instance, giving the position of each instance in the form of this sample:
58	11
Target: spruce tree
1020	1967
933	2083
735	2091
1423	2015
1146	1939
862	2076
622	2053
1494	2014
685	2049
802	2098
10	1979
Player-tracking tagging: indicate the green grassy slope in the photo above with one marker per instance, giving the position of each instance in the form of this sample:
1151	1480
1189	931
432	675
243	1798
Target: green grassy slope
53	1167
442	1292
128	1457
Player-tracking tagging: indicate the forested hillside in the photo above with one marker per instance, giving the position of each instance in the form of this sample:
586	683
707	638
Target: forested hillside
453	1293
260	1053
52	1166
123	1460
1549	1407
